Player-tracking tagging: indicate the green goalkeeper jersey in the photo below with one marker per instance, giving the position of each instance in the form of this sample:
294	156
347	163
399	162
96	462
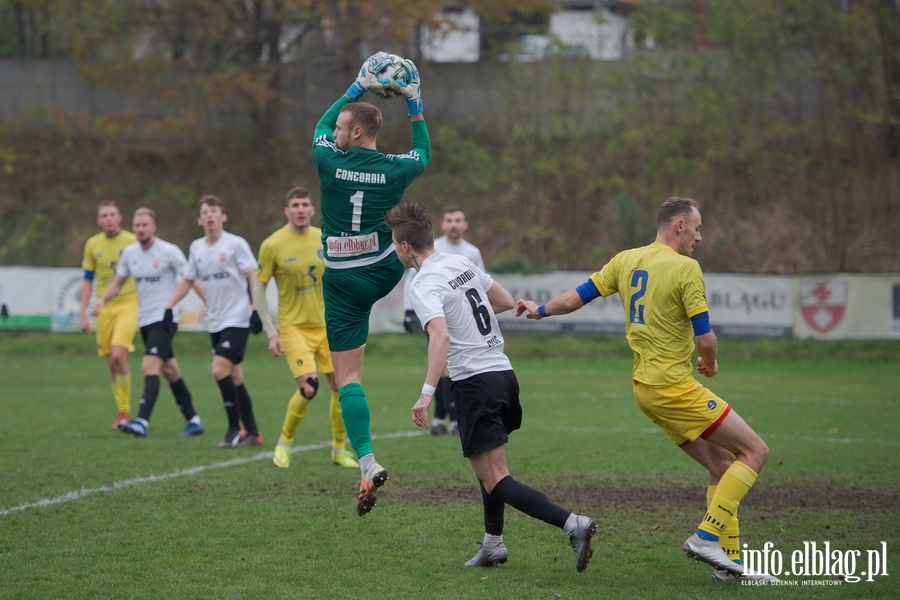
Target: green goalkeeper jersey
358	186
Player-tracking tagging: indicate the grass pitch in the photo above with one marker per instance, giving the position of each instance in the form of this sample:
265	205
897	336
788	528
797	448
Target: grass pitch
91	513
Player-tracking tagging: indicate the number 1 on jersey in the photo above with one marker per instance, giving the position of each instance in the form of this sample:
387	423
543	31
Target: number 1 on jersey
356	200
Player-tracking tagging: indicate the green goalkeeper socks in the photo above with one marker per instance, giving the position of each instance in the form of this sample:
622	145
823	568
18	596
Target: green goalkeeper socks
355	410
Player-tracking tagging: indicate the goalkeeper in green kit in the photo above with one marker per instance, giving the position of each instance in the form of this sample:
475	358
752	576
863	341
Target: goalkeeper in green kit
358	186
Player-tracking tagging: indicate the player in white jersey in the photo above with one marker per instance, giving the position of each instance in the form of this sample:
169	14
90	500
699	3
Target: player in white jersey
454	226
155	265
456	301
225	265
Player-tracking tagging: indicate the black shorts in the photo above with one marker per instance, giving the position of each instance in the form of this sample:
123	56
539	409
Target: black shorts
487	410
157	341
230	343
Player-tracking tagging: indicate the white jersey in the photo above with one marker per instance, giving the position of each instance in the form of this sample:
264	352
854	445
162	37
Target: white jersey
442	244
155	272
452	287
222	268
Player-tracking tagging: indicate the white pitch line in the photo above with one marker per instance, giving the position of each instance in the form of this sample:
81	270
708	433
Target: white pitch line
127	483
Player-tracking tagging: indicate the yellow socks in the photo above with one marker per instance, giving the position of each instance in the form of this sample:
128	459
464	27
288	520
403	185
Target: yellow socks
121	390
730	538
732	488
296	411
297	408
338	430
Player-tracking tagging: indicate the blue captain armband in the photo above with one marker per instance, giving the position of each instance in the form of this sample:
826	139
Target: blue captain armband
701	323
587	291
89	275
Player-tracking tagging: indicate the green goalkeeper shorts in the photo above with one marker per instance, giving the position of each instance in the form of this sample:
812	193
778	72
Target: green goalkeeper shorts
349	296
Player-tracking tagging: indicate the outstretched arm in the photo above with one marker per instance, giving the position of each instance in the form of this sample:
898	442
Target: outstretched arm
326	124
561	305
365	81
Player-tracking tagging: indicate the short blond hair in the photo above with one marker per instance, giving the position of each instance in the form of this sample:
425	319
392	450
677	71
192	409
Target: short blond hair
146	211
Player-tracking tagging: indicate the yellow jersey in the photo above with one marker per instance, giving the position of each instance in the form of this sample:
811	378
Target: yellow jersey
296	262
661	290
101	257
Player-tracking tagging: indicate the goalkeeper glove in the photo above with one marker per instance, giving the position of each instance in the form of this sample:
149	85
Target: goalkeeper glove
367	80
411	321
412	90
256	325
168	322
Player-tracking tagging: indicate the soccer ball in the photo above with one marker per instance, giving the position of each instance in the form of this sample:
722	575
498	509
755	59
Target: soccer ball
388	68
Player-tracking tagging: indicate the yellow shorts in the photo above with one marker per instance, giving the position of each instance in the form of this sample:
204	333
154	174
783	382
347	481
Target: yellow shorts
686	411
116	325
306	350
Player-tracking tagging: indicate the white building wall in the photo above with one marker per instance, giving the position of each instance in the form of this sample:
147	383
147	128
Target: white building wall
456	40
601	33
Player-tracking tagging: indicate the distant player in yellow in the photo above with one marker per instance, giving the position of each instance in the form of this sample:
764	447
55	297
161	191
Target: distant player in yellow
663	296
293	257
117	323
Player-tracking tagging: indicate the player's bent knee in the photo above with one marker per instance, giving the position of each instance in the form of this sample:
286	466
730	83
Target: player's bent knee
762	454
171	372
313	384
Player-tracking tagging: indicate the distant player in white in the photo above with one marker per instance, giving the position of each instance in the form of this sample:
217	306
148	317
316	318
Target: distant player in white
4	312
155	265
225	265
456	301
454	226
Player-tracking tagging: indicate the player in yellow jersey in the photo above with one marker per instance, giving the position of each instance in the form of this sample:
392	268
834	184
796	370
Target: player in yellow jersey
666	317
293	257
117	323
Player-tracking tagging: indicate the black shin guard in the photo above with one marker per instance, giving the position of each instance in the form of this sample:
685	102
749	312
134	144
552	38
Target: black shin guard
530	501
493	512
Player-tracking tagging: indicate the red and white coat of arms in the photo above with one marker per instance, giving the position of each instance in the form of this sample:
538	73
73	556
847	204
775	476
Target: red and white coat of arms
823	304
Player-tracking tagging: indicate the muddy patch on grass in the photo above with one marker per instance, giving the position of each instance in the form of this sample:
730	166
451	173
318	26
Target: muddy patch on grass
627	495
